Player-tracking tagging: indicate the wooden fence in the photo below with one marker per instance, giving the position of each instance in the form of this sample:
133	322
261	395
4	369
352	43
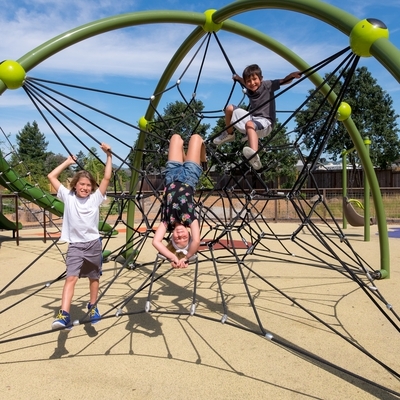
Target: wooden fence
322	178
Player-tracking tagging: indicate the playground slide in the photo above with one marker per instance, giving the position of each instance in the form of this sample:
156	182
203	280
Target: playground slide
5	223
10	180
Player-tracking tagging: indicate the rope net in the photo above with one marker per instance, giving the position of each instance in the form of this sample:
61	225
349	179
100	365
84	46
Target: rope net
235	206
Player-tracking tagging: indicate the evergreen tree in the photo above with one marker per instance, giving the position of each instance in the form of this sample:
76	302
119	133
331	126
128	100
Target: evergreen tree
32	151
372	112
80	161
32	144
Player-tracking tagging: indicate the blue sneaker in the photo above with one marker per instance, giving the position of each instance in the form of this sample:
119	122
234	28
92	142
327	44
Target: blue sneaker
63	320
94	314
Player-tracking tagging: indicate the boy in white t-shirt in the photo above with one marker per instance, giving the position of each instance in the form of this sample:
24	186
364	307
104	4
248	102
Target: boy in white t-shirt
80	230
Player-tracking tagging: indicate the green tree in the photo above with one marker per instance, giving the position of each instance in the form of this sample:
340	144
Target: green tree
279	155
32	146
32	151
372	112
178	117
80	161
93	164
51	162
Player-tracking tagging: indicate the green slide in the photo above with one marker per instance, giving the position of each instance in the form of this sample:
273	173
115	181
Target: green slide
5	223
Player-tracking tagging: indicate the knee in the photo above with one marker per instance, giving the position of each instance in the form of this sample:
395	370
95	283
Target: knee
229	109
195	139
176	140
249	125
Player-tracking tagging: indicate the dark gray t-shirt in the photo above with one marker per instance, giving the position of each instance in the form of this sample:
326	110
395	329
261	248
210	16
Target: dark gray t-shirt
262	98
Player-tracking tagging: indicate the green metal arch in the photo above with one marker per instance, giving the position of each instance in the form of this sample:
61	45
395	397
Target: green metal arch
387	54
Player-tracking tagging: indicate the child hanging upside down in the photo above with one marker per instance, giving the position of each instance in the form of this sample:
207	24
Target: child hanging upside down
178	211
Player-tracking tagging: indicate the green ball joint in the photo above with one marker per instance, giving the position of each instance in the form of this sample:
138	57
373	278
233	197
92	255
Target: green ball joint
12	74
365	33
210	25
343	112
143	123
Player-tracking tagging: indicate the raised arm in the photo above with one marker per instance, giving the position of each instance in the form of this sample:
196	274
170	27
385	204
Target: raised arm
289	78
107	170
238	78
53	175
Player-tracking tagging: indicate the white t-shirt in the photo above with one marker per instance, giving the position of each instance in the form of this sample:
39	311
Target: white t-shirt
81	216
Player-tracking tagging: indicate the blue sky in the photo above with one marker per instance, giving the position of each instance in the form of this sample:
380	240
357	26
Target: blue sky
131	60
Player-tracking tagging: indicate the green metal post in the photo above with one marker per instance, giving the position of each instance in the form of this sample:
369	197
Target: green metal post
367	226
344	183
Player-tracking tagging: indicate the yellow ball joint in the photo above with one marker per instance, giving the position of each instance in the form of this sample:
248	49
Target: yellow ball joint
210	25
12	74
343	112
365	33
143	123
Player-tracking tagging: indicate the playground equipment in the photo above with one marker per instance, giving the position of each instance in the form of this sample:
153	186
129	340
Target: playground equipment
254	230
8	225
364	41
349	213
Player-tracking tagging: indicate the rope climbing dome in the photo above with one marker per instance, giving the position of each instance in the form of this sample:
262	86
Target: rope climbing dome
236	228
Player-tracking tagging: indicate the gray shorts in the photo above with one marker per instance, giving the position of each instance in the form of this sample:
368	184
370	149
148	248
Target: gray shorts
263	126
85	259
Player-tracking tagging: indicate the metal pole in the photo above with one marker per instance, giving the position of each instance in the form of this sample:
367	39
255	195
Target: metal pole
367	224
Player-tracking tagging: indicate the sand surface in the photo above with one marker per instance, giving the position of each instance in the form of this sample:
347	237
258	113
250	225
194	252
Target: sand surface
278	349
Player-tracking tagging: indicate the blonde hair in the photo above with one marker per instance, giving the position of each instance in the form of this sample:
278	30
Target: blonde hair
83	174
173	250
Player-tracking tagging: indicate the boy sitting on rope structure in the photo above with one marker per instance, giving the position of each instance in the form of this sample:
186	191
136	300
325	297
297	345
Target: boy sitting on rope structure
259	121
178	210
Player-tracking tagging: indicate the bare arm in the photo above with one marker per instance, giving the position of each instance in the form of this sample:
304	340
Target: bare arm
107	170
195	243
161	248
53	175
238	78
289	78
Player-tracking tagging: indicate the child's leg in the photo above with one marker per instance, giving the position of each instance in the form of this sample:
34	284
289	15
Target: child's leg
228	118
94	285
252	135
227	134
196	149
68	292
175	152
